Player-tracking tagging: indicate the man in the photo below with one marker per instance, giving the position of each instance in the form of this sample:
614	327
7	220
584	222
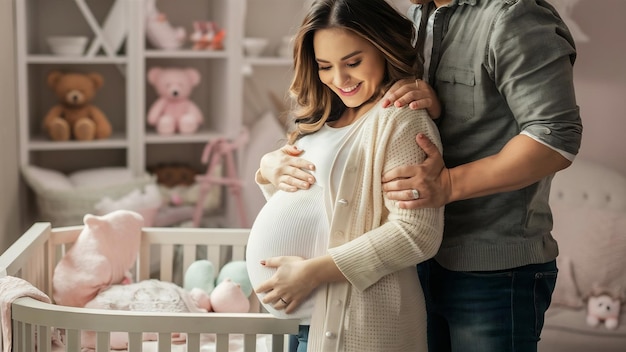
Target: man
509	121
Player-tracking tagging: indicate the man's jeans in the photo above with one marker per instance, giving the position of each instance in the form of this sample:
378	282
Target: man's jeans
494	311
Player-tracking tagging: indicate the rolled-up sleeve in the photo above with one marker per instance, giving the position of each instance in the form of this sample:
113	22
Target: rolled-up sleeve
531	59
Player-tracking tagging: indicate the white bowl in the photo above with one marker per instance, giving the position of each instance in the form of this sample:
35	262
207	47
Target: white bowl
253	47
67	45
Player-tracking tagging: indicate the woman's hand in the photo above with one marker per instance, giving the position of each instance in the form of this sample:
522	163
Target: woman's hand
415	93
289	286
285	170
430	180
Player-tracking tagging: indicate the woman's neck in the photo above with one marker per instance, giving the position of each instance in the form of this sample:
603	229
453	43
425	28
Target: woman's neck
351	115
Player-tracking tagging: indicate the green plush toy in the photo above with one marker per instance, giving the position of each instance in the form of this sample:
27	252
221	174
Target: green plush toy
238	273
200	274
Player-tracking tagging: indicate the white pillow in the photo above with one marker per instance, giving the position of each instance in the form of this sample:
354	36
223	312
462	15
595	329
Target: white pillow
101	177
39	179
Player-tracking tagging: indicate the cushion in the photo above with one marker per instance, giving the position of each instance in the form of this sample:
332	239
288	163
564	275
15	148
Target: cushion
101	177
40	178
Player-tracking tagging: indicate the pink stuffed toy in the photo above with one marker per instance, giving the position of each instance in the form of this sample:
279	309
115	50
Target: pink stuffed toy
227	297
174	111
102	255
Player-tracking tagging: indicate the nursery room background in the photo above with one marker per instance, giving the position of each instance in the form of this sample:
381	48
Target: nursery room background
230	61
253	97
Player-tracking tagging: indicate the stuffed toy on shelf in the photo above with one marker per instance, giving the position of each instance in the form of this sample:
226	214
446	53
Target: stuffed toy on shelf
173	111
74	116
207	36
160	33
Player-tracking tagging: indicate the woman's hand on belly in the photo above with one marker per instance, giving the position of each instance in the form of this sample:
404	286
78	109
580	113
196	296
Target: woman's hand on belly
290	283
296	278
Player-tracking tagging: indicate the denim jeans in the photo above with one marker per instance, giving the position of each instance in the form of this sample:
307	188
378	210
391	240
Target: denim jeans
493	311
299	343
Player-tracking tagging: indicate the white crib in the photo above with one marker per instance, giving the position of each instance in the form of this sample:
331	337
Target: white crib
33	258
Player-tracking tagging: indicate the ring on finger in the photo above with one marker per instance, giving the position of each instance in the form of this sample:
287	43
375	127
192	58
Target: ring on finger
415	193
282	300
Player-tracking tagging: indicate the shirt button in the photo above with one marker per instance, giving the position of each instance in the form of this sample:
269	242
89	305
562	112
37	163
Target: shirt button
338	302
339	234
329	335
342	201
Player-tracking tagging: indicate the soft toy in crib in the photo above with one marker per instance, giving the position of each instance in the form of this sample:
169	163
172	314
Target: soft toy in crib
228	294
173	111
603	307
102	255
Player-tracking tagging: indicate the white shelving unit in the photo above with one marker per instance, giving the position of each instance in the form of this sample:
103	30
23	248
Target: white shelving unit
126	95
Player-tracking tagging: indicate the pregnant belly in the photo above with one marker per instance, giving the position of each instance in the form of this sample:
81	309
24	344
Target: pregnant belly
290	224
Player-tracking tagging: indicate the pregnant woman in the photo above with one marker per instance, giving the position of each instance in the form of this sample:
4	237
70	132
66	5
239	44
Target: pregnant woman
339	256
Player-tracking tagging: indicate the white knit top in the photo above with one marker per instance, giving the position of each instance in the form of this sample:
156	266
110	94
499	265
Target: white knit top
297	223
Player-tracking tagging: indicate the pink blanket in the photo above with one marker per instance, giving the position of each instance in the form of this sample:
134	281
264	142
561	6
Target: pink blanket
12	288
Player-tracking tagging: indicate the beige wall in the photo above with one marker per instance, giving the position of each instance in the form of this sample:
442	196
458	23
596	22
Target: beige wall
10	204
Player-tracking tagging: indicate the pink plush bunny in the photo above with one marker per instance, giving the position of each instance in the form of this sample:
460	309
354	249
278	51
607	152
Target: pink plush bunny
173	111
102	255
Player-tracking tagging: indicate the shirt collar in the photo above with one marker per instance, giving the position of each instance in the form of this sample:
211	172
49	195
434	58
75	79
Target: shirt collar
464	2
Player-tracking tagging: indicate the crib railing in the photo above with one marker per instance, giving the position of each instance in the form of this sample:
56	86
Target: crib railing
34	255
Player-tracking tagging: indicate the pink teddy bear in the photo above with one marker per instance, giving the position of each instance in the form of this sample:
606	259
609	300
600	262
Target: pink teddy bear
174	111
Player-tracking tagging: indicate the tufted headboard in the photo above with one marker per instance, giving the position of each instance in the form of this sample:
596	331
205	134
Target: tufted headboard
588	204
588	184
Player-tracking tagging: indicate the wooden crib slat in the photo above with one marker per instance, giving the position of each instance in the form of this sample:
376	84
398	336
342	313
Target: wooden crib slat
135	342
249	343
72	340
165	342
44	341
29	337
193	342
213	255
189	255
221	343
18	335
167	261
278	343
102	341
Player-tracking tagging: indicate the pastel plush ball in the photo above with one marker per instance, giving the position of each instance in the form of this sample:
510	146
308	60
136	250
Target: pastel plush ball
237	272
200	274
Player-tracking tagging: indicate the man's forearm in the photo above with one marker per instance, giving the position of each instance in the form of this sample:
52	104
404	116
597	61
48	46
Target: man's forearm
522	162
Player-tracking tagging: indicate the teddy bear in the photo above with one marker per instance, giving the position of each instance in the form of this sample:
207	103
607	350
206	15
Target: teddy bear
74	116
102	255
173	111
603	306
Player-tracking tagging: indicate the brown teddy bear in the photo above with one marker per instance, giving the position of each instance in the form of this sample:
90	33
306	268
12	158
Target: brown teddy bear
74	116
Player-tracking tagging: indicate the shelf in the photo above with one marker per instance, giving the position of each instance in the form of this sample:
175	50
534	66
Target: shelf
185	54
55	59
269	61
200	137
117	141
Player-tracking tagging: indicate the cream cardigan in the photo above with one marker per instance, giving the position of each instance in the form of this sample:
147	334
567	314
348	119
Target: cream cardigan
377	245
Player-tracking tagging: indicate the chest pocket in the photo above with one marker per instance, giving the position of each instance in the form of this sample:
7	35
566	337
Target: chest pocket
455	88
